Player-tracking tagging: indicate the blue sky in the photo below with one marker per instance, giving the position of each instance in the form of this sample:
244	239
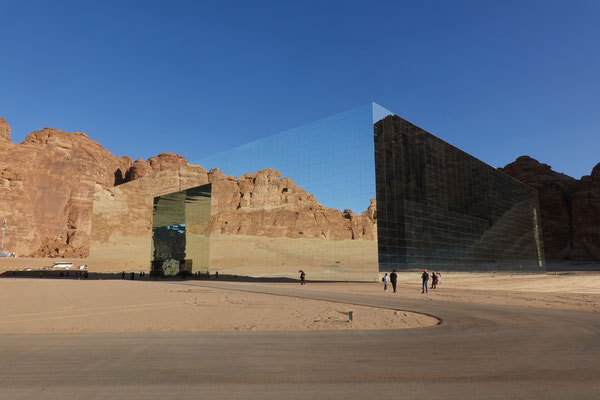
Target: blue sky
497	79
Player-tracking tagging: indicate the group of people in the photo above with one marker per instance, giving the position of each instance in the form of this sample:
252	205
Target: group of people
436	279
393	278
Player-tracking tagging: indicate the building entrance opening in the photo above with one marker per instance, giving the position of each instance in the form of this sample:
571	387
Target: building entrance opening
180	232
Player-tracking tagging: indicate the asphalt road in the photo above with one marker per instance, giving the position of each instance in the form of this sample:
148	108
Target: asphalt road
477	352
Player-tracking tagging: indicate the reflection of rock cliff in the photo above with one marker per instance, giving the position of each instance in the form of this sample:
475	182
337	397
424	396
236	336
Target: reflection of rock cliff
570	209
264	204
260	224
47	184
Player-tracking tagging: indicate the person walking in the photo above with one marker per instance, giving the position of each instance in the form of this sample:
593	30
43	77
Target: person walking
425	278
394	279
433	280
385	282
302	278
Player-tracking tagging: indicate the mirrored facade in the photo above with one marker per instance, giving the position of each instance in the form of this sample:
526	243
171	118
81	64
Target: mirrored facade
424	202
180	232
319	215
342	198
331	158
440	208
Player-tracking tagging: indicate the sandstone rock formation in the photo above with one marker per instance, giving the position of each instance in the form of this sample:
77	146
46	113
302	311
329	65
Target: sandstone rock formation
4	131
47	185
265	204
162	162
570	209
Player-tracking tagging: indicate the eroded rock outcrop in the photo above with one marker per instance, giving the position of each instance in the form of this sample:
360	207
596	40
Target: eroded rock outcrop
265	204
570	209
47	185
162	162
4	131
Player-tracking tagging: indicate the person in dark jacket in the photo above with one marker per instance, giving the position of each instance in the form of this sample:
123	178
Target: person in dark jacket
394	279
425	278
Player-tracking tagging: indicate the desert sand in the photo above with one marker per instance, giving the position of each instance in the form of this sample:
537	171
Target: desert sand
71	306
63	306
561	291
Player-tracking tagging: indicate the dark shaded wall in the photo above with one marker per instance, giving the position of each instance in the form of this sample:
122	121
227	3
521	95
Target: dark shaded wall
440	208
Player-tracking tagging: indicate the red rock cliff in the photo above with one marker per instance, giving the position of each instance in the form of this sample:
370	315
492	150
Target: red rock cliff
47	185
570	209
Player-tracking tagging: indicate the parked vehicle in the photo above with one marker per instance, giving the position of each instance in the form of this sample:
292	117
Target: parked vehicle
62	265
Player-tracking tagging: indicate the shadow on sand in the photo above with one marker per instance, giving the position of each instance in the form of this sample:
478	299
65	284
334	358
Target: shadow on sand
77	274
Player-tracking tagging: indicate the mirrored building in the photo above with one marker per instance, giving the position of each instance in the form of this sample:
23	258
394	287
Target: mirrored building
343	198
392	196
311	206
441	208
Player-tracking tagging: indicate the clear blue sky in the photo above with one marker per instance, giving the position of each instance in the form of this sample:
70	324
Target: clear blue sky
497	79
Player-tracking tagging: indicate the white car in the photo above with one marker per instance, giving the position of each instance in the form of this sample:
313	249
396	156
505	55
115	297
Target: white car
62	265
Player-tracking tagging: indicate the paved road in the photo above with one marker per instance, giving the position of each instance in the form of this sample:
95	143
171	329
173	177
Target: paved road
477	352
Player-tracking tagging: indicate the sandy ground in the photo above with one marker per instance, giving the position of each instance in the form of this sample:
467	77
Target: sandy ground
567	291
63	306
53	305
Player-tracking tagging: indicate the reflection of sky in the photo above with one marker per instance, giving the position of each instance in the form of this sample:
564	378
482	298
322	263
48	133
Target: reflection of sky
331	158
